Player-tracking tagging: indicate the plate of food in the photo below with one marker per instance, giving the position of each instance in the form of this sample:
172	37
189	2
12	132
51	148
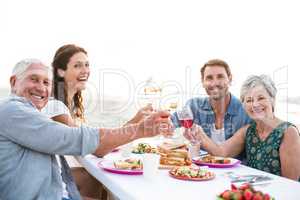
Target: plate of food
129	166
144	148
216	161
172	155
191	173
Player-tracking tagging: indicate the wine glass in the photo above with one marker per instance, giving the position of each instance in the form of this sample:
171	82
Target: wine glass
186	120
152	93
185	117
171	106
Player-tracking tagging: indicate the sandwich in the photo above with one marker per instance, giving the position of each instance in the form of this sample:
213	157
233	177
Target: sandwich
174	154
130	163
215	160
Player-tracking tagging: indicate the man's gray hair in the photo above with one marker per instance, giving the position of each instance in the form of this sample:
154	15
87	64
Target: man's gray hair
262	80
23	65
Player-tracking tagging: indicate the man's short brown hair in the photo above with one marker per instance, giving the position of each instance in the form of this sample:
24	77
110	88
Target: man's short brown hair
216	62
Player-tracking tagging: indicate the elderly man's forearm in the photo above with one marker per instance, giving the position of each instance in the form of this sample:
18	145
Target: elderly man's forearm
112	138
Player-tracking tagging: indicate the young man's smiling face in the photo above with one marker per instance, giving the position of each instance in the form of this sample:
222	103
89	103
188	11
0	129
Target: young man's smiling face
216	82
34	84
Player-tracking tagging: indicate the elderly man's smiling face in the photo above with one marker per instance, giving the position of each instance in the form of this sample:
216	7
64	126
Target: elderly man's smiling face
34	84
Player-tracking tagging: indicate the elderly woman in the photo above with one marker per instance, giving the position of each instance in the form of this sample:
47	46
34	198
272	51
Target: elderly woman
271	144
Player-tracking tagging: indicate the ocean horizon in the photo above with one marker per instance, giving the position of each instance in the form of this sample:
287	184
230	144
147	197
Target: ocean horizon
114	111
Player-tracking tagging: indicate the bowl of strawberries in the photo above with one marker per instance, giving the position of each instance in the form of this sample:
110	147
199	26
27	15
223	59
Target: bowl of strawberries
243	192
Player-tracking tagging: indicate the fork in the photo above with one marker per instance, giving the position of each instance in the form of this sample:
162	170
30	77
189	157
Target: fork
253	179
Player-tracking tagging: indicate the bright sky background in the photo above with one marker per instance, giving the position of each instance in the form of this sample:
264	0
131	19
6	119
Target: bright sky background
158	38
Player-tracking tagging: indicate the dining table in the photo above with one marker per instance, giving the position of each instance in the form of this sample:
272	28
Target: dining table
164	187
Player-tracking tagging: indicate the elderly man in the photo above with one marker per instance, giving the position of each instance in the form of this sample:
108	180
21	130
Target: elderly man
220	114
29	140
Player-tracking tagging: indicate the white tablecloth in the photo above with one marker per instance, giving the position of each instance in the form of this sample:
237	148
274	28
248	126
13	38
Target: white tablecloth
165	187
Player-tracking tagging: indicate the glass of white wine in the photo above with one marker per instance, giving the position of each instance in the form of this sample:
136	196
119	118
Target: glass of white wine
177	136
152	94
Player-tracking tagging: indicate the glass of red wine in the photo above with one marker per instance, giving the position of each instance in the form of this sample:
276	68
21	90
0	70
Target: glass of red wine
186	120
185	117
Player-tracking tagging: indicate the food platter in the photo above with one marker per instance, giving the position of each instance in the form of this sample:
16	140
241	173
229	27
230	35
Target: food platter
230	162
108	165
191	174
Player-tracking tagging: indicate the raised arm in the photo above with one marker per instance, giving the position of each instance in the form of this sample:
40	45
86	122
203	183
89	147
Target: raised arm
141	114
290	154
136	128
152	125
36	131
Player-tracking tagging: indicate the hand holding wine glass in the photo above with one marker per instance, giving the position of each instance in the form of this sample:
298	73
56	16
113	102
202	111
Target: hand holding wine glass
171	108
157	122
141	114
186	118
194	134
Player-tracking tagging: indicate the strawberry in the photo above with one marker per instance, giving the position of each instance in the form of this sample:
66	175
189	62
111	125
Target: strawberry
237	196
233	187
267	197
248	194
244	186
257	196
226	195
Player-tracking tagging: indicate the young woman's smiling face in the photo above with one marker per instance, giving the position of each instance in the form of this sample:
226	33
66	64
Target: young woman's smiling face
77	72
258	103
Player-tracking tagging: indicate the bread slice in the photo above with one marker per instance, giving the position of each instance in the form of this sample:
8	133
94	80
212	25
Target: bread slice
174	154
166	146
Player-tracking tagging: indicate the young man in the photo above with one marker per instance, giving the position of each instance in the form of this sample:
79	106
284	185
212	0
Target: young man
220	114
30	140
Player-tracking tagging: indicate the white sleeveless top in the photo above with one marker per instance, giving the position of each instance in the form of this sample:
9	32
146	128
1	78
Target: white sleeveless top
55	108
217	135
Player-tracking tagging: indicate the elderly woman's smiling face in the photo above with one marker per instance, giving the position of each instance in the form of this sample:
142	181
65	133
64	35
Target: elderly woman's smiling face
258	103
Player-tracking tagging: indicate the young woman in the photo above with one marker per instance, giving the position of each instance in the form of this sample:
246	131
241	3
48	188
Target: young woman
71	71
271	144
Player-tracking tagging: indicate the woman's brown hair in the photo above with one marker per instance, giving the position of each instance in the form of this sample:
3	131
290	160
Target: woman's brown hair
61	59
